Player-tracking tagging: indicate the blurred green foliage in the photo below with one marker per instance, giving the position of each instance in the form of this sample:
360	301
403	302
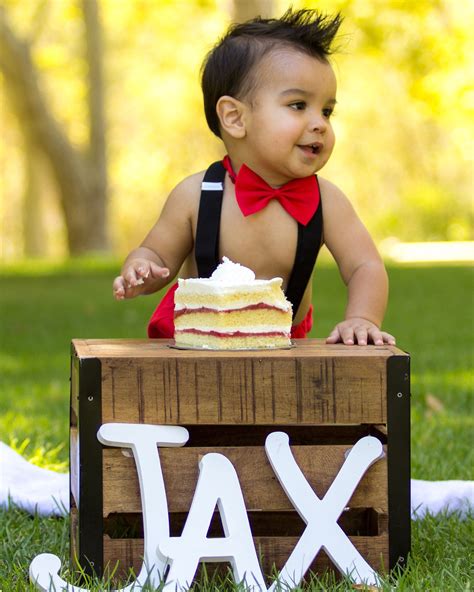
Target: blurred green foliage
403	121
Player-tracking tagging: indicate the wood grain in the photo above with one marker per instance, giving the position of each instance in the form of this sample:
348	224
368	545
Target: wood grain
243	390
271	551
260	487
144	348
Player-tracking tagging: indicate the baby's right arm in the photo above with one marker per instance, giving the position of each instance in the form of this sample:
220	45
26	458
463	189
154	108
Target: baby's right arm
158	259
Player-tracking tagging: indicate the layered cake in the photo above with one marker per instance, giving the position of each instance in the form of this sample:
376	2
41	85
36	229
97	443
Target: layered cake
231	310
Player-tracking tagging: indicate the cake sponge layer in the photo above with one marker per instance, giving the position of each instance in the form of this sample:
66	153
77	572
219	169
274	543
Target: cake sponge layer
233	320
228	341
205	293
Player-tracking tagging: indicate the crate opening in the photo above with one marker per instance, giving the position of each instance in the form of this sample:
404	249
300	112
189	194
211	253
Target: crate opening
300	435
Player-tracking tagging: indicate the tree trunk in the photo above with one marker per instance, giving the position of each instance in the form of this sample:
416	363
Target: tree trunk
96	154
81	179
34	236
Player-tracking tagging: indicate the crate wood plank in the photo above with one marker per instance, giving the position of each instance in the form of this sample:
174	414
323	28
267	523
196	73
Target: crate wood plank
244	390
373	549
260	486
143	348
128	553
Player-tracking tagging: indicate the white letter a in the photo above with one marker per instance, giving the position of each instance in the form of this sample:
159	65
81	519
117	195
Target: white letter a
217	484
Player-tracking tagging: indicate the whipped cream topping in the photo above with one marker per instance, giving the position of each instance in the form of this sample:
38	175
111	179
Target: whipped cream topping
230	273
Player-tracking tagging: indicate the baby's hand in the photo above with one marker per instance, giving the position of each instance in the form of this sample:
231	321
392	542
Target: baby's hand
361	331
136	278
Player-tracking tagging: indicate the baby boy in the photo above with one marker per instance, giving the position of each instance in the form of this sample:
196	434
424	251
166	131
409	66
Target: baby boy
269	94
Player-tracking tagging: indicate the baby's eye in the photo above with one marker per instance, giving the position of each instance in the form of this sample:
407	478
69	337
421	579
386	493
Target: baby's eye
328	112
298	105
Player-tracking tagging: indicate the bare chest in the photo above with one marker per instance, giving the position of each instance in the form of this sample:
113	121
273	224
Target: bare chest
265	241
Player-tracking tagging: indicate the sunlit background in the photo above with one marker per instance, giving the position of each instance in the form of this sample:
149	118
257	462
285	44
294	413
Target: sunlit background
403	121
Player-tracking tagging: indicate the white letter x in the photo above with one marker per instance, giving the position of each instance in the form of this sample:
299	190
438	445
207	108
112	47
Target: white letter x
321	516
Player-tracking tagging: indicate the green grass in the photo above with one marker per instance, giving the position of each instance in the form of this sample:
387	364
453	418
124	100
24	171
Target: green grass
42	307
440	559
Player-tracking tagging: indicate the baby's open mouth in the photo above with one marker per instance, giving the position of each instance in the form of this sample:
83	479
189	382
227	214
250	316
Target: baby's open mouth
314	148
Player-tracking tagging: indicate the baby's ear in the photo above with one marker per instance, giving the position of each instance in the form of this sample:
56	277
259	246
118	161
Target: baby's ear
230	112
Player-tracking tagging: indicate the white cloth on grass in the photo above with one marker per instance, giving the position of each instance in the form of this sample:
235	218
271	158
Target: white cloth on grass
34	489
441	496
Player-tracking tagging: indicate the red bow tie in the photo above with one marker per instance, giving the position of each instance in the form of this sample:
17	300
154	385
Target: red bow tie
299	197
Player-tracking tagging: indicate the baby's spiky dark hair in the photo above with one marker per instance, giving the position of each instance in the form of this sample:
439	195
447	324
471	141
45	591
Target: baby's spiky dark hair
228	68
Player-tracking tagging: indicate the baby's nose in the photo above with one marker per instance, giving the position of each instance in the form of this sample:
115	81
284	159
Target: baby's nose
319	124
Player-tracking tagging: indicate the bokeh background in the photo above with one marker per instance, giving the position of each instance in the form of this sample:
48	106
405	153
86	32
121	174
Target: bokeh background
101	115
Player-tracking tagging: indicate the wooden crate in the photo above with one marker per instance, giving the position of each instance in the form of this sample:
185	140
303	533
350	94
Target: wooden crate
324	397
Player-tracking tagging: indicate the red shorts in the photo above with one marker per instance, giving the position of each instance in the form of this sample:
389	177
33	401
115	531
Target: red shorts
162	321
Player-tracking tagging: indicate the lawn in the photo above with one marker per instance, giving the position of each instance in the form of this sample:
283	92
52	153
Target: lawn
43	307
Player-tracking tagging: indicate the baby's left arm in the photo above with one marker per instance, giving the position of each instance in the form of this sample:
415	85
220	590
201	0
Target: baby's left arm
361	268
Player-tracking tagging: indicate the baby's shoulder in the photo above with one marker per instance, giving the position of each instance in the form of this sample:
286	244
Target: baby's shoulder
190	186
330	193
185	195
333	199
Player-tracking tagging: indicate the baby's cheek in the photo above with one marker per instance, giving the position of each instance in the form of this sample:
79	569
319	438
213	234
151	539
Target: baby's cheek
331	140
284	141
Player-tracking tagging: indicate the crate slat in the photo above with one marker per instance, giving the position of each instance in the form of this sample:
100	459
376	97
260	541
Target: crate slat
260	486
272	551
146	348
245	390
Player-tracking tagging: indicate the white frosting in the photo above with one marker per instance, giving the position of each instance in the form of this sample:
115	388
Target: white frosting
211	286
231	287
226	277
231	273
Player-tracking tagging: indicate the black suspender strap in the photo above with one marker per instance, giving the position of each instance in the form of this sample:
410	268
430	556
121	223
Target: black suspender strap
307	249
209	220
207	236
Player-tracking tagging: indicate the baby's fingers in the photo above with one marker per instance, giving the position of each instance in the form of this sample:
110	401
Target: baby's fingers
387	338
341	333
141	274
381	337
119	288
131	278
362	335
158	272
376	336
334	336
348	335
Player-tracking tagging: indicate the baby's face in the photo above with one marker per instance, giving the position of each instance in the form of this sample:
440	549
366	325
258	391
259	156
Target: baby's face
288	116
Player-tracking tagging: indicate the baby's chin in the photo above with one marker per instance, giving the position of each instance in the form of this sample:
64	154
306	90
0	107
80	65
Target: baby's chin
306	171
